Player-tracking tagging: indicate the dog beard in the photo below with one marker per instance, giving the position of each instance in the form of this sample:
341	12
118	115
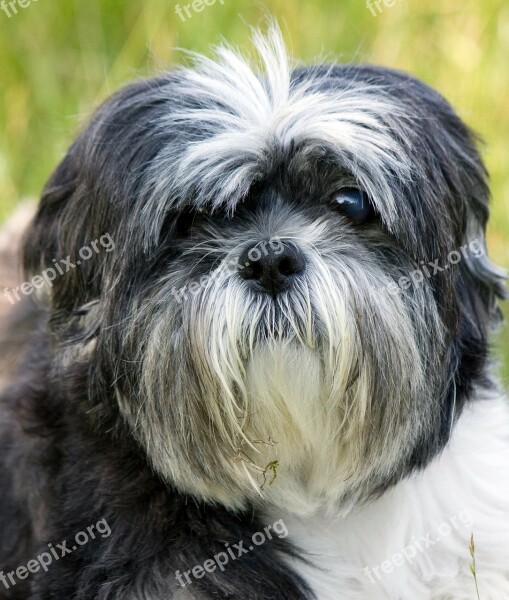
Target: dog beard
330	379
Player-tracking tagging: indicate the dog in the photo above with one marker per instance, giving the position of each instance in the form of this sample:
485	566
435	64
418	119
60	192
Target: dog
255	359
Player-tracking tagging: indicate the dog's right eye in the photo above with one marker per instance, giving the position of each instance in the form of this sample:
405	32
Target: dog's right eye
353	204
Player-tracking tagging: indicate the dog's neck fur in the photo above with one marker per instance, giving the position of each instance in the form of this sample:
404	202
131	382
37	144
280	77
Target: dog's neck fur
413	542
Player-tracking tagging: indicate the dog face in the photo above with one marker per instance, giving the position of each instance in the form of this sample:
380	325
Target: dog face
261	314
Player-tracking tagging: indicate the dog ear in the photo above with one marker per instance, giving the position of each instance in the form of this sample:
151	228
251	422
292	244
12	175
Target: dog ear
479	286
41	241
95	186
62	227
484	280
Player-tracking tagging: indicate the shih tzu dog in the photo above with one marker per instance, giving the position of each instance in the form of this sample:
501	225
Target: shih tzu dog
252	348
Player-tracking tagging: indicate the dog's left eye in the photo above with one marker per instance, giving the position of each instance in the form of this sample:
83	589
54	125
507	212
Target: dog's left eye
353	204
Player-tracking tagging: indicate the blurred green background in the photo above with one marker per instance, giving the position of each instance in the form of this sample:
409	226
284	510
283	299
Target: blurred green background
59	58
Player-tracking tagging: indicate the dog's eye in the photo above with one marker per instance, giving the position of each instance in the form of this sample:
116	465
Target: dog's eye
353	204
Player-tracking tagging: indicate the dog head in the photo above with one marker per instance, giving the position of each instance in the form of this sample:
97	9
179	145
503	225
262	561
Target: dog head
298	288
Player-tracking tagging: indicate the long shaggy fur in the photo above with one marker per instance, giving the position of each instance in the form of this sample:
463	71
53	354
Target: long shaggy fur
161	391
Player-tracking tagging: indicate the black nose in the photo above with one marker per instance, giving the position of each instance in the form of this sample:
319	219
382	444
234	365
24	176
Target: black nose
272	266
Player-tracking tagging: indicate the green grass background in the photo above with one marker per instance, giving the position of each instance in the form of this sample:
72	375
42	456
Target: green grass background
59	58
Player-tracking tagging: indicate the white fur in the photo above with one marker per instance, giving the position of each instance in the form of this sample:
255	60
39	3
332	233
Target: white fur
246	114
466	487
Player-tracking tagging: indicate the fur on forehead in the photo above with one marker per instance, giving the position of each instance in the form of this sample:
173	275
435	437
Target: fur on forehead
241	122
230	124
